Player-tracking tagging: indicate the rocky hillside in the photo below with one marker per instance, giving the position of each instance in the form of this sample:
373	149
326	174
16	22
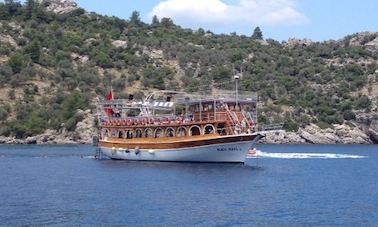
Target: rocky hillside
56	58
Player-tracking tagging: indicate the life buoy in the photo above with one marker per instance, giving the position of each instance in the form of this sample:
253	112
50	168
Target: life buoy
128	122
165	121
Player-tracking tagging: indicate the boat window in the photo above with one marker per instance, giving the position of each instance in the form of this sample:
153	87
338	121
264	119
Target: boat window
148	133
209	129
120	134
221	130
106	133
158	133
170	132
138	133
181	131
195	130
129	134
114	133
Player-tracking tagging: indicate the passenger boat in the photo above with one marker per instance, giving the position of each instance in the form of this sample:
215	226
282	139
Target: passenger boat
179	127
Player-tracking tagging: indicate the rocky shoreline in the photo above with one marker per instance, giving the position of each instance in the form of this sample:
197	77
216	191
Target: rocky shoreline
311	134
83	133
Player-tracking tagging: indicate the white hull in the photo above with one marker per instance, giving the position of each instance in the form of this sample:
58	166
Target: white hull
226	152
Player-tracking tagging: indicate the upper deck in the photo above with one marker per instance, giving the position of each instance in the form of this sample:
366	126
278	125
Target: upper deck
177	113
171	102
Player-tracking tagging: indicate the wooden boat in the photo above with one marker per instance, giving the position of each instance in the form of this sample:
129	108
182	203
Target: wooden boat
180	127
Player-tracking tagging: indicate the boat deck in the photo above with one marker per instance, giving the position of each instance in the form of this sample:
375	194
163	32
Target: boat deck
174	142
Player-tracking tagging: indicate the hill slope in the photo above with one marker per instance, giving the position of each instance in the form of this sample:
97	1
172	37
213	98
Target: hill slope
54	61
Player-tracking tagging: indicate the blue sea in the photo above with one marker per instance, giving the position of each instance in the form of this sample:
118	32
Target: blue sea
288	185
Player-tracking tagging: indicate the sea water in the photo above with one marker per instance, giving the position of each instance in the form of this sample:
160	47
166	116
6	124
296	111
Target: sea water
288	185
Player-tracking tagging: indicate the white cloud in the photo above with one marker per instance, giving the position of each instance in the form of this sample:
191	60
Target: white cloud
205	13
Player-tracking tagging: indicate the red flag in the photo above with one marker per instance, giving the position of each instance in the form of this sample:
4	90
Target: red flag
109	96
109	111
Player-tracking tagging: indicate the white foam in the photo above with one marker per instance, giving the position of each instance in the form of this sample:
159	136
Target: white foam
89	157
306	155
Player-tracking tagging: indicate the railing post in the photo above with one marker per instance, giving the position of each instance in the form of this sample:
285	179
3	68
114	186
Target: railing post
215	110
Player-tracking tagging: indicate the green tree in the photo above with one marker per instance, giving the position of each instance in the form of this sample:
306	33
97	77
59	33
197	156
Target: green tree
16	62
4	112
155	20
9	9
135	17
349	115
33	50
12	94
72	103
363	102
221	73
166	22
30	5
291	125
102	59
257	34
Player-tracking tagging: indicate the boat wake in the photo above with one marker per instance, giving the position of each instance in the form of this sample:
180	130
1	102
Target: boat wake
260	154
89	157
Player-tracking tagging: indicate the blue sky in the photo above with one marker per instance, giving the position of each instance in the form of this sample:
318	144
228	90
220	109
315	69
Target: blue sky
315	19
279	19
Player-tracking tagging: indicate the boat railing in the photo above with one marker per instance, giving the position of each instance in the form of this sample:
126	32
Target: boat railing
171	119
218	96
131	104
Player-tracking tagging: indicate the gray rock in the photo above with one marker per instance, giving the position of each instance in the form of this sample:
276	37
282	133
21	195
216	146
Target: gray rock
373	136
85	129
3	139
59	6
8	39
341	134
282	138
373	45
365	39
292	42
31	140
119	43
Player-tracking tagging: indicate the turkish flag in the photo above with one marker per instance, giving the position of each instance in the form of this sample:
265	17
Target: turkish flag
109	111
109	96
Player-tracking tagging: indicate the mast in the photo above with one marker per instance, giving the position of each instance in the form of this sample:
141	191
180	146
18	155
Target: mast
236	77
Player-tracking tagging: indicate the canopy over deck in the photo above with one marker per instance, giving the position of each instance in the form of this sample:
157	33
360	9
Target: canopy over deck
165	100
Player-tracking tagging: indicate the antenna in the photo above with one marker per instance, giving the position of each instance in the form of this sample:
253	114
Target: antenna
236	77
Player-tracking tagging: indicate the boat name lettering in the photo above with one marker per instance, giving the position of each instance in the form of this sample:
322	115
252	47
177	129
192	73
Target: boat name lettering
229	149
